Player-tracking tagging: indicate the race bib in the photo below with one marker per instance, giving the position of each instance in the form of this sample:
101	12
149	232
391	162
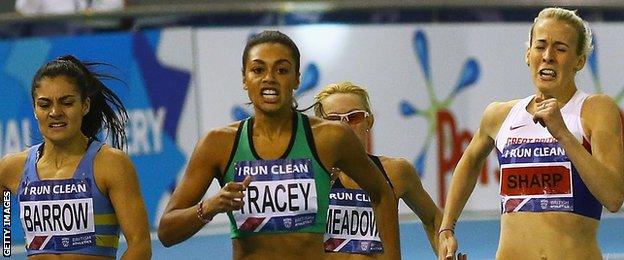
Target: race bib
537	187
281	197
57	214
351	225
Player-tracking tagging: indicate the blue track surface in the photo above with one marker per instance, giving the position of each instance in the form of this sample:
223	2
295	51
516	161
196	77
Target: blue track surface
478	238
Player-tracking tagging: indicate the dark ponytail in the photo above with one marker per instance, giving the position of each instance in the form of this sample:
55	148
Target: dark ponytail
106	107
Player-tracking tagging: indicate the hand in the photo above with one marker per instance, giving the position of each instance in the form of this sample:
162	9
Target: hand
548	114
447	245
229	198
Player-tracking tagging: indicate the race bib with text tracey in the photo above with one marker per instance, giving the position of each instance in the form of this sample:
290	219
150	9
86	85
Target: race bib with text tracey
351	225
281	197
537	187
57	214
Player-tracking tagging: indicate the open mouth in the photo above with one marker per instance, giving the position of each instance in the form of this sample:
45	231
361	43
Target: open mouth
269	94
57	125
547	74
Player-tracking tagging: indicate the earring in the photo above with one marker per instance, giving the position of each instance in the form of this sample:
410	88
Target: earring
245	87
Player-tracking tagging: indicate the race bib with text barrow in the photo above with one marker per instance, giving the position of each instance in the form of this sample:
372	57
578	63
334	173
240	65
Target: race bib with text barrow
57	214
536	187
351	225
281	196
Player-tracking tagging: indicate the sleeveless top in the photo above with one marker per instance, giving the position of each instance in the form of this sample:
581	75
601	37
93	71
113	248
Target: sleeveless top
286	195
536	175
351	223
67	216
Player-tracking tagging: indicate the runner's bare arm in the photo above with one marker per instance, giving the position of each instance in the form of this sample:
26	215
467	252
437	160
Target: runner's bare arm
466	173
11	170
123	190
408	187
4	173
602	170
180	219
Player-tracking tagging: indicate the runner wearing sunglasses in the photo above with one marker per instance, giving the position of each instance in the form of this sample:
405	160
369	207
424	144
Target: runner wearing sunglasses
348	103
273	167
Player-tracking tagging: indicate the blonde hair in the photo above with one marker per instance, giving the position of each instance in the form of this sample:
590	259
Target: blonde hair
584	44
342	87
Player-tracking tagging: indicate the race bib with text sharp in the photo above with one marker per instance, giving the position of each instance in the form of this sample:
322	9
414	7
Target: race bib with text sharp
538	187
351	225
281	197
57	214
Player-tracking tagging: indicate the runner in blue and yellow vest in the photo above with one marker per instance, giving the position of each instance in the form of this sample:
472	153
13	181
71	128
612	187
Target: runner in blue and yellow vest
272	167
74	192
67	215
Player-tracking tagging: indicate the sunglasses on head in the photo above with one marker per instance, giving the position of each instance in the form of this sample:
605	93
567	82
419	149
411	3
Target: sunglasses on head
352	117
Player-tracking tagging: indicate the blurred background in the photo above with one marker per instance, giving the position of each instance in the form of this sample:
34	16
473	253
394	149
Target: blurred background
431	68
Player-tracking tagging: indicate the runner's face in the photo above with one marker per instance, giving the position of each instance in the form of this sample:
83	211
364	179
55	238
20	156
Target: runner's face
59	109
270	77
552	56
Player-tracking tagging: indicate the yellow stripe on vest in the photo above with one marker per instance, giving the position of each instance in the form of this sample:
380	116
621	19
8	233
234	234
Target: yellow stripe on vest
105	219
107	240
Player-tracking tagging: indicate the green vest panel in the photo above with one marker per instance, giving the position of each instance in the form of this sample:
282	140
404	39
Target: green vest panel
287	195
